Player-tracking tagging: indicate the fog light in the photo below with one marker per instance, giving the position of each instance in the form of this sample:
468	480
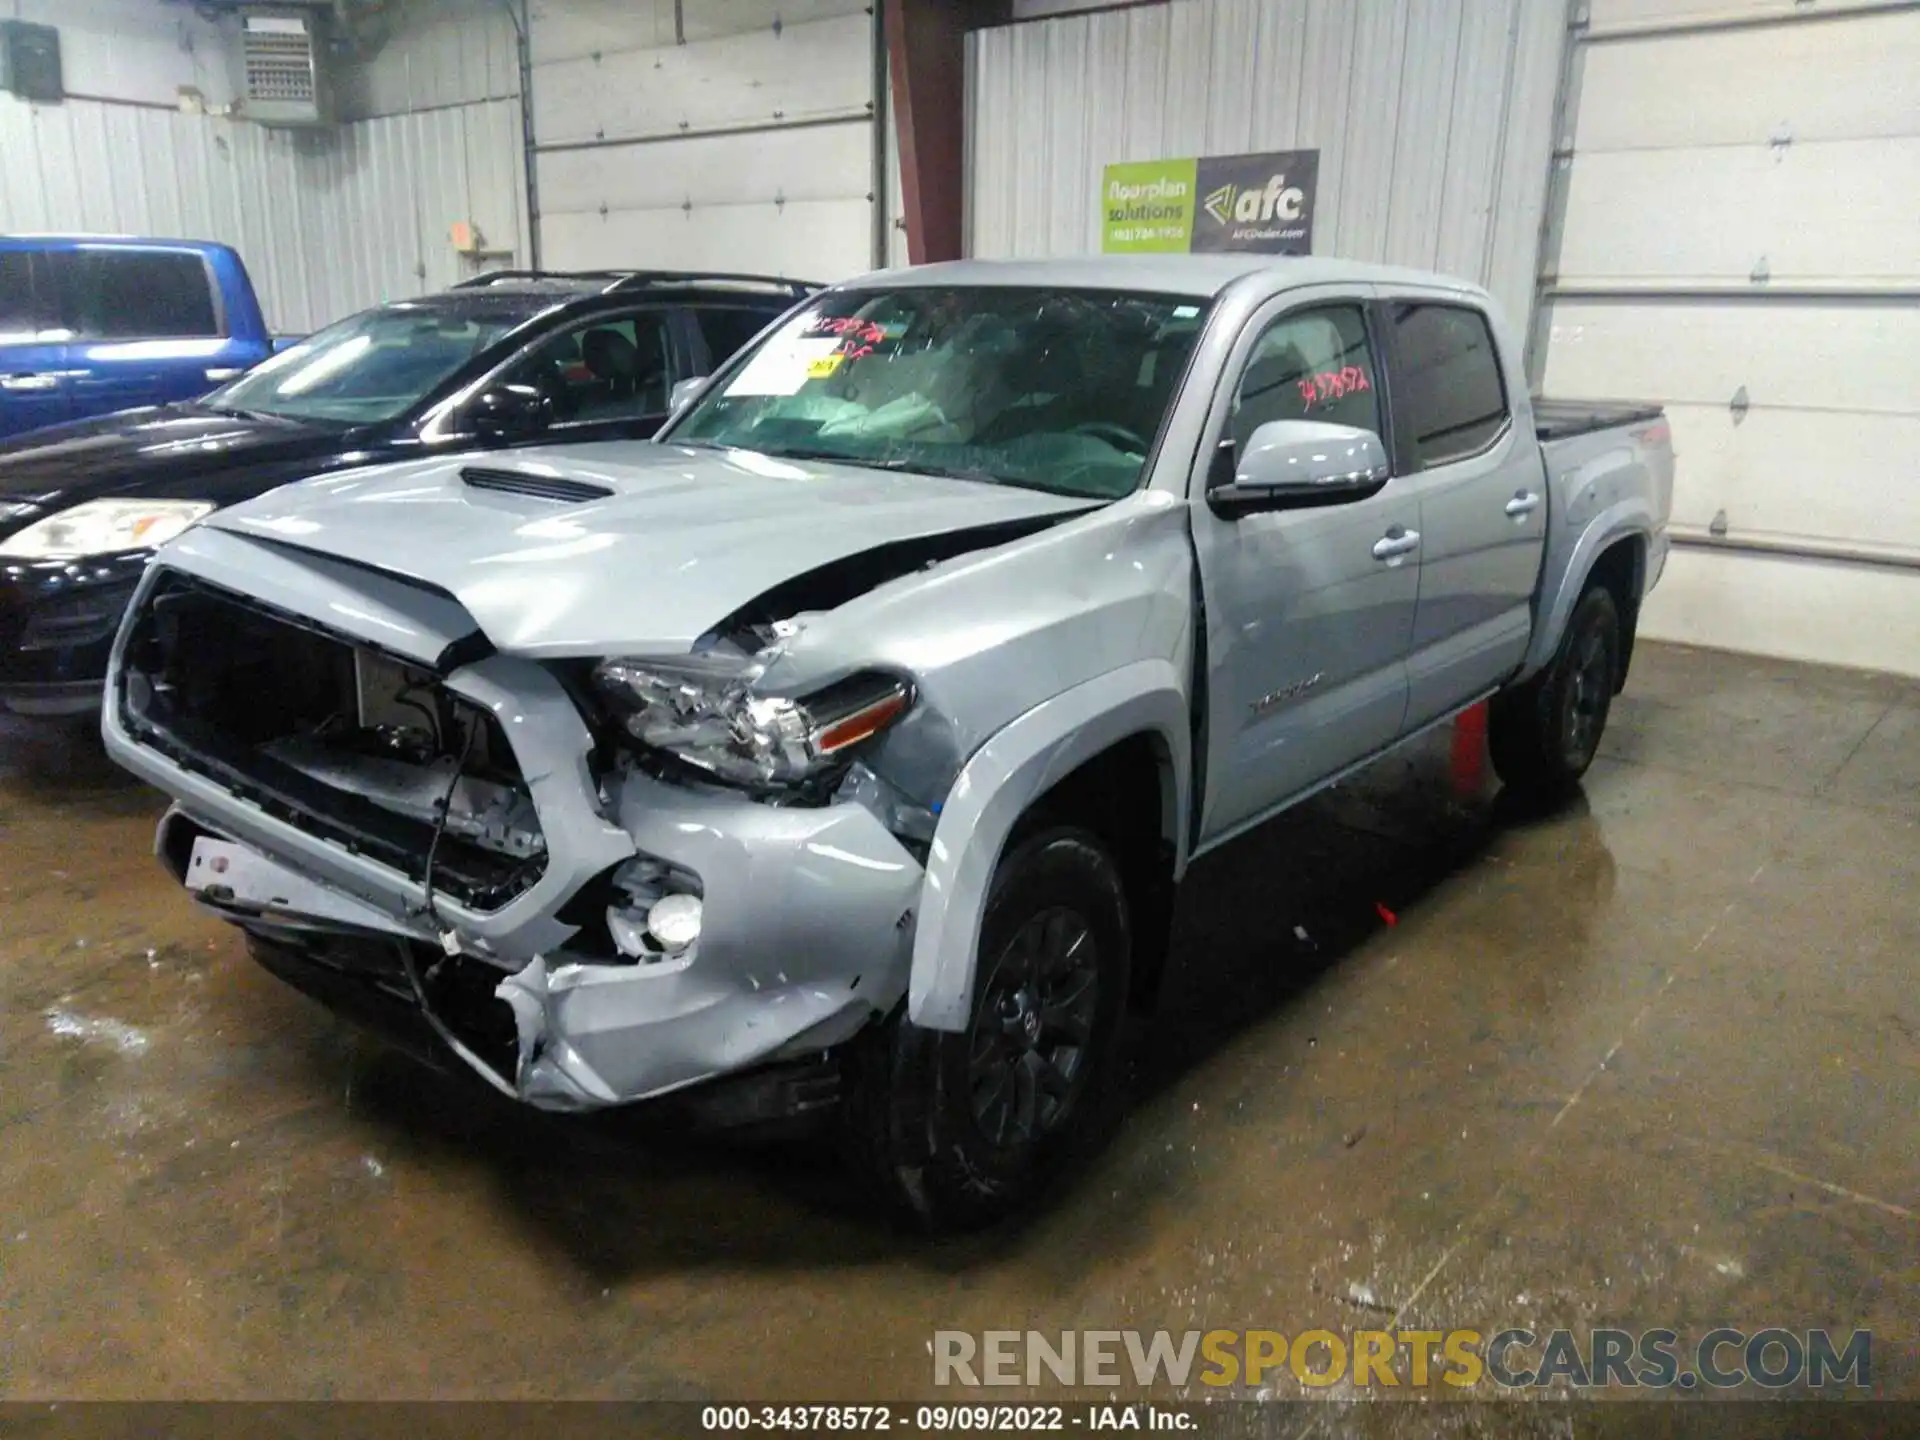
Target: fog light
674	921
628	936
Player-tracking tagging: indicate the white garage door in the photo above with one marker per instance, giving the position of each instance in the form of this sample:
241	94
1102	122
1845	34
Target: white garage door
734	135
1741	239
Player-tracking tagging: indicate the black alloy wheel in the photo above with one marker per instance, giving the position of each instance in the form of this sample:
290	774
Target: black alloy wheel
1028	1045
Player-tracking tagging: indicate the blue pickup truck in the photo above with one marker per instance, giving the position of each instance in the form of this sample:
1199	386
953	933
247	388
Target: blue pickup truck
93	324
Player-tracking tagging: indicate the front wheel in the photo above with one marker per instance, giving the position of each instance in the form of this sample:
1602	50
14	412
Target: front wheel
963	1128
1544	734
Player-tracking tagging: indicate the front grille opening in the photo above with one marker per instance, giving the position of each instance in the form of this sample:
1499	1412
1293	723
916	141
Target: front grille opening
346	742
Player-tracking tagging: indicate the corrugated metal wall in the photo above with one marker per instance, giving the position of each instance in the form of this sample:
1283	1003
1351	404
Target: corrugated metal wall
439	53
140	51
1433	119
329	221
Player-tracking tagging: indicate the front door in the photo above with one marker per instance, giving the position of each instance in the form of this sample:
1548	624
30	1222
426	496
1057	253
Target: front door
1482	493
608	378
1309	612
35	389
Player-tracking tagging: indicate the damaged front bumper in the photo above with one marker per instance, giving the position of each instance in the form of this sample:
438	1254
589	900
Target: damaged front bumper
806	911
806	938
806	935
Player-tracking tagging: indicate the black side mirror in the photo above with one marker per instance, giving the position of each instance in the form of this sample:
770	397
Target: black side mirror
510	412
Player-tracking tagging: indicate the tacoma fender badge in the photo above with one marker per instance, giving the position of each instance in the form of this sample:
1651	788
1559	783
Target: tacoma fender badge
1274	699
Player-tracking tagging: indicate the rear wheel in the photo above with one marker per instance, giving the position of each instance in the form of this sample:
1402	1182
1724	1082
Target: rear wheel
961	1128
1544	734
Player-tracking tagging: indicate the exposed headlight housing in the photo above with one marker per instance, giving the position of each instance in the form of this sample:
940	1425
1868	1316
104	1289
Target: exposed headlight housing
703	711
103	527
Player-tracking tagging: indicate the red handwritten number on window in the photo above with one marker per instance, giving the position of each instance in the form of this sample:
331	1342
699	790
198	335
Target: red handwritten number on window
857	336
853	326
1333	385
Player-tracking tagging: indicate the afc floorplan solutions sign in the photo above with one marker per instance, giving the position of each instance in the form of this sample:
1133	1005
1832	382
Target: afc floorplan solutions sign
1210	204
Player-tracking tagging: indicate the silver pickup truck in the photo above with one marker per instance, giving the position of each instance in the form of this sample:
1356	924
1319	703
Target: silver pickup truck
848	741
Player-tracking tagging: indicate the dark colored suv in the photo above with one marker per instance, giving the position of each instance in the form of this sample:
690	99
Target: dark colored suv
512	358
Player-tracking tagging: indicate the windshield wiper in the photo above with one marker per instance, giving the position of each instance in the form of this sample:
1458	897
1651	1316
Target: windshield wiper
895	464
235	412
945	472
838	457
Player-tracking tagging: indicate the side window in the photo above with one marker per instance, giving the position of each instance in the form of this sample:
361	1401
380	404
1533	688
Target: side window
133	294
1449	387
615	368
726	329
21	322
1309	365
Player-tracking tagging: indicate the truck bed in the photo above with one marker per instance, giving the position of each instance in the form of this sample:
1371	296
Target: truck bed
1563	419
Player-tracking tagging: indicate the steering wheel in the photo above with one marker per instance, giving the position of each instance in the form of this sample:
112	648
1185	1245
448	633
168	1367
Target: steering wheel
1119	436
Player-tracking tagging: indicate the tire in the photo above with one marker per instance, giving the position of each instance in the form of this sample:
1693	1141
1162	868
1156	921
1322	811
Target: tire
1544	734
960	1130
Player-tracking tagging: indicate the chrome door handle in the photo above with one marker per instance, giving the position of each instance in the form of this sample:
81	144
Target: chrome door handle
1525	503
1396	543
29	382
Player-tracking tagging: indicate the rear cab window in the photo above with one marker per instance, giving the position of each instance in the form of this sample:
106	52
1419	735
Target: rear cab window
1449	394
109	293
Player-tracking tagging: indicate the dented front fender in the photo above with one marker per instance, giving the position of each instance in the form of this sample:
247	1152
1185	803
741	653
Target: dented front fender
996	787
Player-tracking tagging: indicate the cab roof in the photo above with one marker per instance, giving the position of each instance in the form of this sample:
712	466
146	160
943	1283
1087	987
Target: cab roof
33	241
1200	276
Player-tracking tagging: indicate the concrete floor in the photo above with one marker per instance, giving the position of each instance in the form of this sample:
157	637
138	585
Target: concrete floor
1651	1061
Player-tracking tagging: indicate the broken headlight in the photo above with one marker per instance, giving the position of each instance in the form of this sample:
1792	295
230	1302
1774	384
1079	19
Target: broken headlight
702	711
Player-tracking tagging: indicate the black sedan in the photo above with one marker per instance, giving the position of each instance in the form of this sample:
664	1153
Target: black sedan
510	359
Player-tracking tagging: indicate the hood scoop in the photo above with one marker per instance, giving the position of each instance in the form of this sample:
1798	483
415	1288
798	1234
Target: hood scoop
538	487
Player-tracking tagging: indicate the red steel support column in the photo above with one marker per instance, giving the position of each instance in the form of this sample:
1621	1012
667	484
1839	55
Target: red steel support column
926	51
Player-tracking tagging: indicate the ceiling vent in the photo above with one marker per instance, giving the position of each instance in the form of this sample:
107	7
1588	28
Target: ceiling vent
283	71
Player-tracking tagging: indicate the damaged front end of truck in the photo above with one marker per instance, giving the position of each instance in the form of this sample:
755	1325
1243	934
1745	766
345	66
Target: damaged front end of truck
592	880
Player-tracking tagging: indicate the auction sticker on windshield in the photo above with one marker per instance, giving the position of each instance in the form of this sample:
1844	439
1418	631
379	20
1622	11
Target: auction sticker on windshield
785	363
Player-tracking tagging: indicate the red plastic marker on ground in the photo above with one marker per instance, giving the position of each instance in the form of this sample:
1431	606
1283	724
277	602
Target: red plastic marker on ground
1386	914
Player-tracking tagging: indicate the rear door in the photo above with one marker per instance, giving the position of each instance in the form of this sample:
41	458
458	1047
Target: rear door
1310	611
148	325
1475	469
35	389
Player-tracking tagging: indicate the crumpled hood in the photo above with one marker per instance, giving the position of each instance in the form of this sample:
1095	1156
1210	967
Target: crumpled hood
686	538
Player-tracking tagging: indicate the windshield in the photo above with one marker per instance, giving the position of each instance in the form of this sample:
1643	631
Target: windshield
369	367
1060	390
